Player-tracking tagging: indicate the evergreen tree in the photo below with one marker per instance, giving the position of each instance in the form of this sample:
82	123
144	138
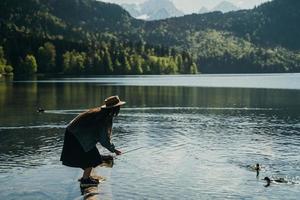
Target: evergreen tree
193	68
179	63
2	61
137	65
28	66
66	62
74	62
46	58
98	63
108	65
4	67
127	66
140	48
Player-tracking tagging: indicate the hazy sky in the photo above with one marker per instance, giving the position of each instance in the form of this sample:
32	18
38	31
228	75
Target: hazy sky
189	6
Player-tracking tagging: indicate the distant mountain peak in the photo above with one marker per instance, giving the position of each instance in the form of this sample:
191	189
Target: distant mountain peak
153	10
203	10
225	6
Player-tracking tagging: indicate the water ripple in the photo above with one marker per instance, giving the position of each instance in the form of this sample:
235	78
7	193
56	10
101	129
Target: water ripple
46	126
185	153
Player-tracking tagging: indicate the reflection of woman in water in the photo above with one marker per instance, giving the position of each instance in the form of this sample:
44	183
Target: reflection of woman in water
82	134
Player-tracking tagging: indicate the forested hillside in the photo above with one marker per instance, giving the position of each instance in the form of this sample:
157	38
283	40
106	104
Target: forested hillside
274	23
79	37
263	39
92	37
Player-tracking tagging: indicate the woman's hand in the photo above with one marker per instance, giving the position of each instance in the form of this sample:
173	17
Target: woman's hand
117	152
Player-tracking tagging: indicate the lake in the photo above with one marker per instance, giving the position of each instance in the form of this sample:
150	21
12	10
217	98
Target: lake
187	136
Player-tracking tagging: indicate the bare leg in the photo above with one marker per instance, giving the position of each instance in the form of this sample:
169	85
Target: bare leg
87	172
87	181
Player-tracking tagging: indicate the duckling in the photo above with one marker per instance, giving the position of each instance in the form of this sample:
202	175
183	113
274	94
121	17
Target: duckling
257	167
40	110
268	181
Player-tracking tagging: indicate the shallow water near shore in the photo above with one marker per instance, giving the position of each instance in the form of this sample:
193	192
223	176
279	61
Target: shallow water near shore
183	141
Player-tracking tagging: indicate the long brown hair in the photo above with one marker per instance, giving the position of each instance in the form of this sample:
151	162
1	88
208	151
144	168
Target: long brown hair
113	112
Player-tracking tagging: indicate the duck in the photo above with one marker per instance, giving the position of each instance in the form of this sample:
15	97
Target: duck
280	180
40	110
257	167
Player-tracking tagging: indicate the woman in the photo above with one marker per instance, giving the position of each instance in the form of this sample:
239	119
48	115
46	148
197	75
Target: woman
82	135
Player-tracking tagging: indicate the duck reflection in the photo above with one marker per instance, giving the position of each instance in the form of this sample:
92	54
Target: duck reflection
257	169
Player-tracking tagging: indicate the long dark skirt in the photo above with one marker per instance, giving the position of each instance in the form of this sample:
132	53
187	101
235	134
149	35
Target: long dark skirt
73	154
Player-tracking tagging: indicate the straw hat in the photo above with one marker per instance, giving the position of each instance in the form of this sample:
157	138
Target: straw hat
112	101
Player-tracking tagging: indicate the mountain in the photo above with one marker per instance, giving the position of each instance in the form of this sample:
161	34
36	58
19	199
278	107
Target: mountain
57	16
67	24
90	14
133	9
203	10
225	6
160	14
274	23
79	37
153	10
263	39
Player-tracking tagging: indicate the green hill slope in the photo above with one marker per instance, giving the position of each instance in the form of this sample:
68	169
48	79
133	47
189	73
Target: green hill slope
274	23
263	39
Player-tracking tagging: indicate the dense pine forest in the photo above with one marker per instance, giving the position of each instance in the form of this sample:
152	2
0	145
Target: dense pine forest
96	38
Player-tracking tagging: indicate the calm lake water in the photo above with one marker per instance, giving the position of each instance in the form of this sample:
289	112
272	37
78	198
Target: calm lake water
196	137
